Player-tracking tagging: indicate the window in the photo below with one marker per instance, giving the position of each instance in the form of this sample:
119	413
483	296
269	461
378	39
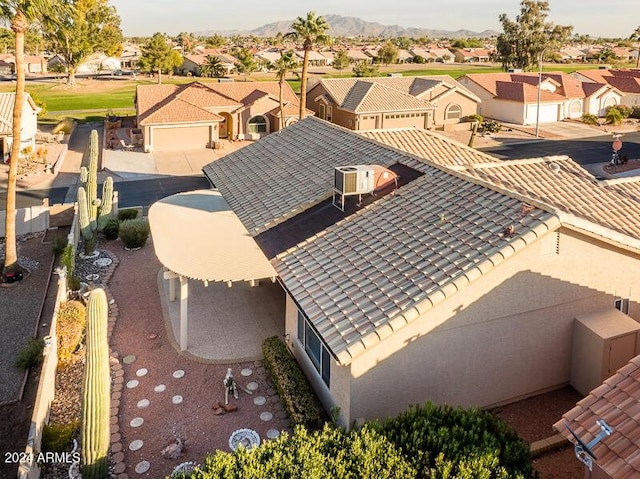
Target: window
453	111
329	113
622	304
257	124
317	352
322	111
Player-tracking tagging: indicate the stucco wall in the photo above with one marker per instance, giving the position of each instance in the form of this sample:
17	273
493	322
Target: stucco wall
469	107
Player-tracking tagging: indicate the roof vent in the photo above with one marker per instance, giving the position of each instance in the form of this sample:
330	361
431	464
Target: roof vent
555	167
584	452
359	180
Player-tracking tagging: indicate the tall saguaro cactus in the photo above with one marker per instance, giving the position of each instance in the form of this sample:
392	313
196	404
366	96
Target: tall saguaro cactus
85	219
106	205
92	180
96	390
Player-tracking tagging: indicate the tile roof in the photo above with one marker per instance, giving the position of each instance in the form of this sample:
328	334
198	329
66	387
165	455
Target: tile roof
368	97
627	81
7	101
617	401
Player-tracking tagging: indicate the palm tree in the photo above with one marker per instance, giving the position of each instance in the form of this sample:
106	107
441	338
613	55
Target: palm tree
20	14
311	30
283	65
636	36
213	67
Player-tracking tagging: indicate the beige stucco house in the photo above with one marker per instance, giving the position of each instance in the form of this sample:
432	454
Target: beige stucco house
392	102
196	115
513	97
458	281
29	125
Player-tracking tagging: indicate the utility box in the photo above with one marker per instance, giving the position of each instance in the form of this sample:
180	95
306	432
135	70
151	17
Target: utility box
603	342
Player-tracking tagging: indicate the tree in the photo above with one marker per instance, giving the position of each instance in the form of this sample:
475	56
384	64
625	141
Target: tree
363	69
283	65
311	29
215	41
247	64
89	26
20	14
524	41
187	41
388	53
635	36
340	61
158	56
213	67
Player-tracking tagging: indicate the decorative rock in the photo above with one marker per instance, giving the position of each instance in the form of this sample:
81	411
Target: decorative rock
115	438
114	428
136	422
118	457
124	475
102	262
117	447
132	384
141	372
119	468
282	415
273	433
113	420
151	337
143	403
178	374
259	400
246	438
246	372
135	445
160	388
266	416
118	380
271	392
117	387
142	467
116	396
252	386
129	359
177	399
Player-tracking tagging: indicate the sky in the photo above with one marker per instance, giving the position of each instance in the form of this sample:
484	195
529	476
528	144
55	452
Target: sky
605	18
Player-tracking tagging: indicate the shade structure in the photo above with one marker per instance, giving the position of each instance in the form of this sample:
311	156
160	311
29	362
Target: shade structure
197	235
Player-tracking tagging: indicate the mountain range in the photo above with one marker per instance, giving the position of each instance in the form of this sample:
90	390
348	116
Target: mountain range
354	27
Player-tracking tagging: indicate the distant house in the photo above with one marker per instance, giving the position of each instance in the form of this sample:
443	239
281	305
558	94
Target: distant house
392	102
440	55
130	57
316	59
572	54
193	63
34	64
358	56
29	124
472	55
196	115
626	81
513	97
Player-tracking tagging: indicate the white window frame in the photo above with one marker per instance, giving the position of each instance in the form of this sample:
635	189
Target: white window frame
322	360
448	111
251	127
622	305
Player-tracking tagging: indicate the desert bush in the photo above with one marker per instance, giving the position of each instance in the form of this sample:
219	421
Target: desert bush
635	112
292	385
31	354
474	117
69	328
442	441
59	244
57	437
65	126
127	214
490	126
111	228
134	233
624	110
614	116
589	119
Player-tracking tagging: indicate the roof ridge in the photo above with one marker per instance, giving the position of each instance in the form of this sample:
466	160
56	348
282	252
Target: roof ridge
521	161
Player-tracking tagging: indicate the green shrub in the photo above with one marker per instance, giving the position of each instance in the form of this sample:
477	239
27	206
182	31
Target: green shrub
73	283
475	117
490	126
127	214
292	385
111	228
635	112
134	233
614	116
330	453
68	259
442	441
59	244
589	119
69	328
31	354
57	437
624	110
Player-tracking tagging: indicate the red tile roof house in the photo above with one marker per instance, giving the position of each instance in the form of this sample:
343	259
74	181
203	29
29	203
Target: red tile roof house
513	97
196	115
459	286
192	63
472	55
436	101
627	81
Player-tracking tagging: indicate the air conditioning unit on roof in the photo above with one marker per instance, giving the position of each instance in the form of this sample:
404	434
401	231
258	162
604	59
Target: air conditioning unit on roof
354	180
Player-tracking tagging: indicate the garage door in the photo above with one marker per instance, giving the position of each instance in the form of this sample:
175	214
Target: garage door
181	138
548	113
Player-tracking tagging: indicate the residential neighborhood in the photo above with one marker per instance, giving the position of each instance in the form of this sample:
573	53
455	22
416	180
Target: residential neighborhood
327	244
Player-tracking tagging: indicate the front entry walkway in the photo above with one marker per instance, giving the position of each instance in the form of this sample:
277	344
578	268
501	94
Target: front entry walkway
225	324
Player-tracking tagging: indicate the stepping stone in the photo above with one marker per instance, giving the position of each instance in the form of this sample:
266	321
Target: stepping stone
176	399
266	416
143	403
132	384
252	386
246	372
136	422
273	433
135	445
141	372
178	374
259	400
160	388
142	467
102	262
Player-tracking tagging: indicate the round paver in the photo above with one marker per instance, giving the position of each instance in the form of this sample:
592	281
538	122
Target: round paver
132	384
273	433
135	445
246	438
136	422
160	388
142	467
129	359
252	386
141	372
246	372
259	400
178	374
143	403
177	399
266	416
102	262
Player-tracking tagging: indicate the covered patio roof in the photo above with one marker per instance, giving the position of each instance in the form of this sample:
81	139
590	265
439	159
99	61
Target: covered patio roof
198	236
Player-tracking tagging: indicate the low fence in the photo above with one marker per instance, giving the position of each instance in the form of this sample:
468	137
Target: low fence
28	220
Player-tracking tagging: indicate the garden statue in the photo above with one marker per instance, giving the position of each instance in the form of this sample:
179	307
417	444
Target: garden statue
230	386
